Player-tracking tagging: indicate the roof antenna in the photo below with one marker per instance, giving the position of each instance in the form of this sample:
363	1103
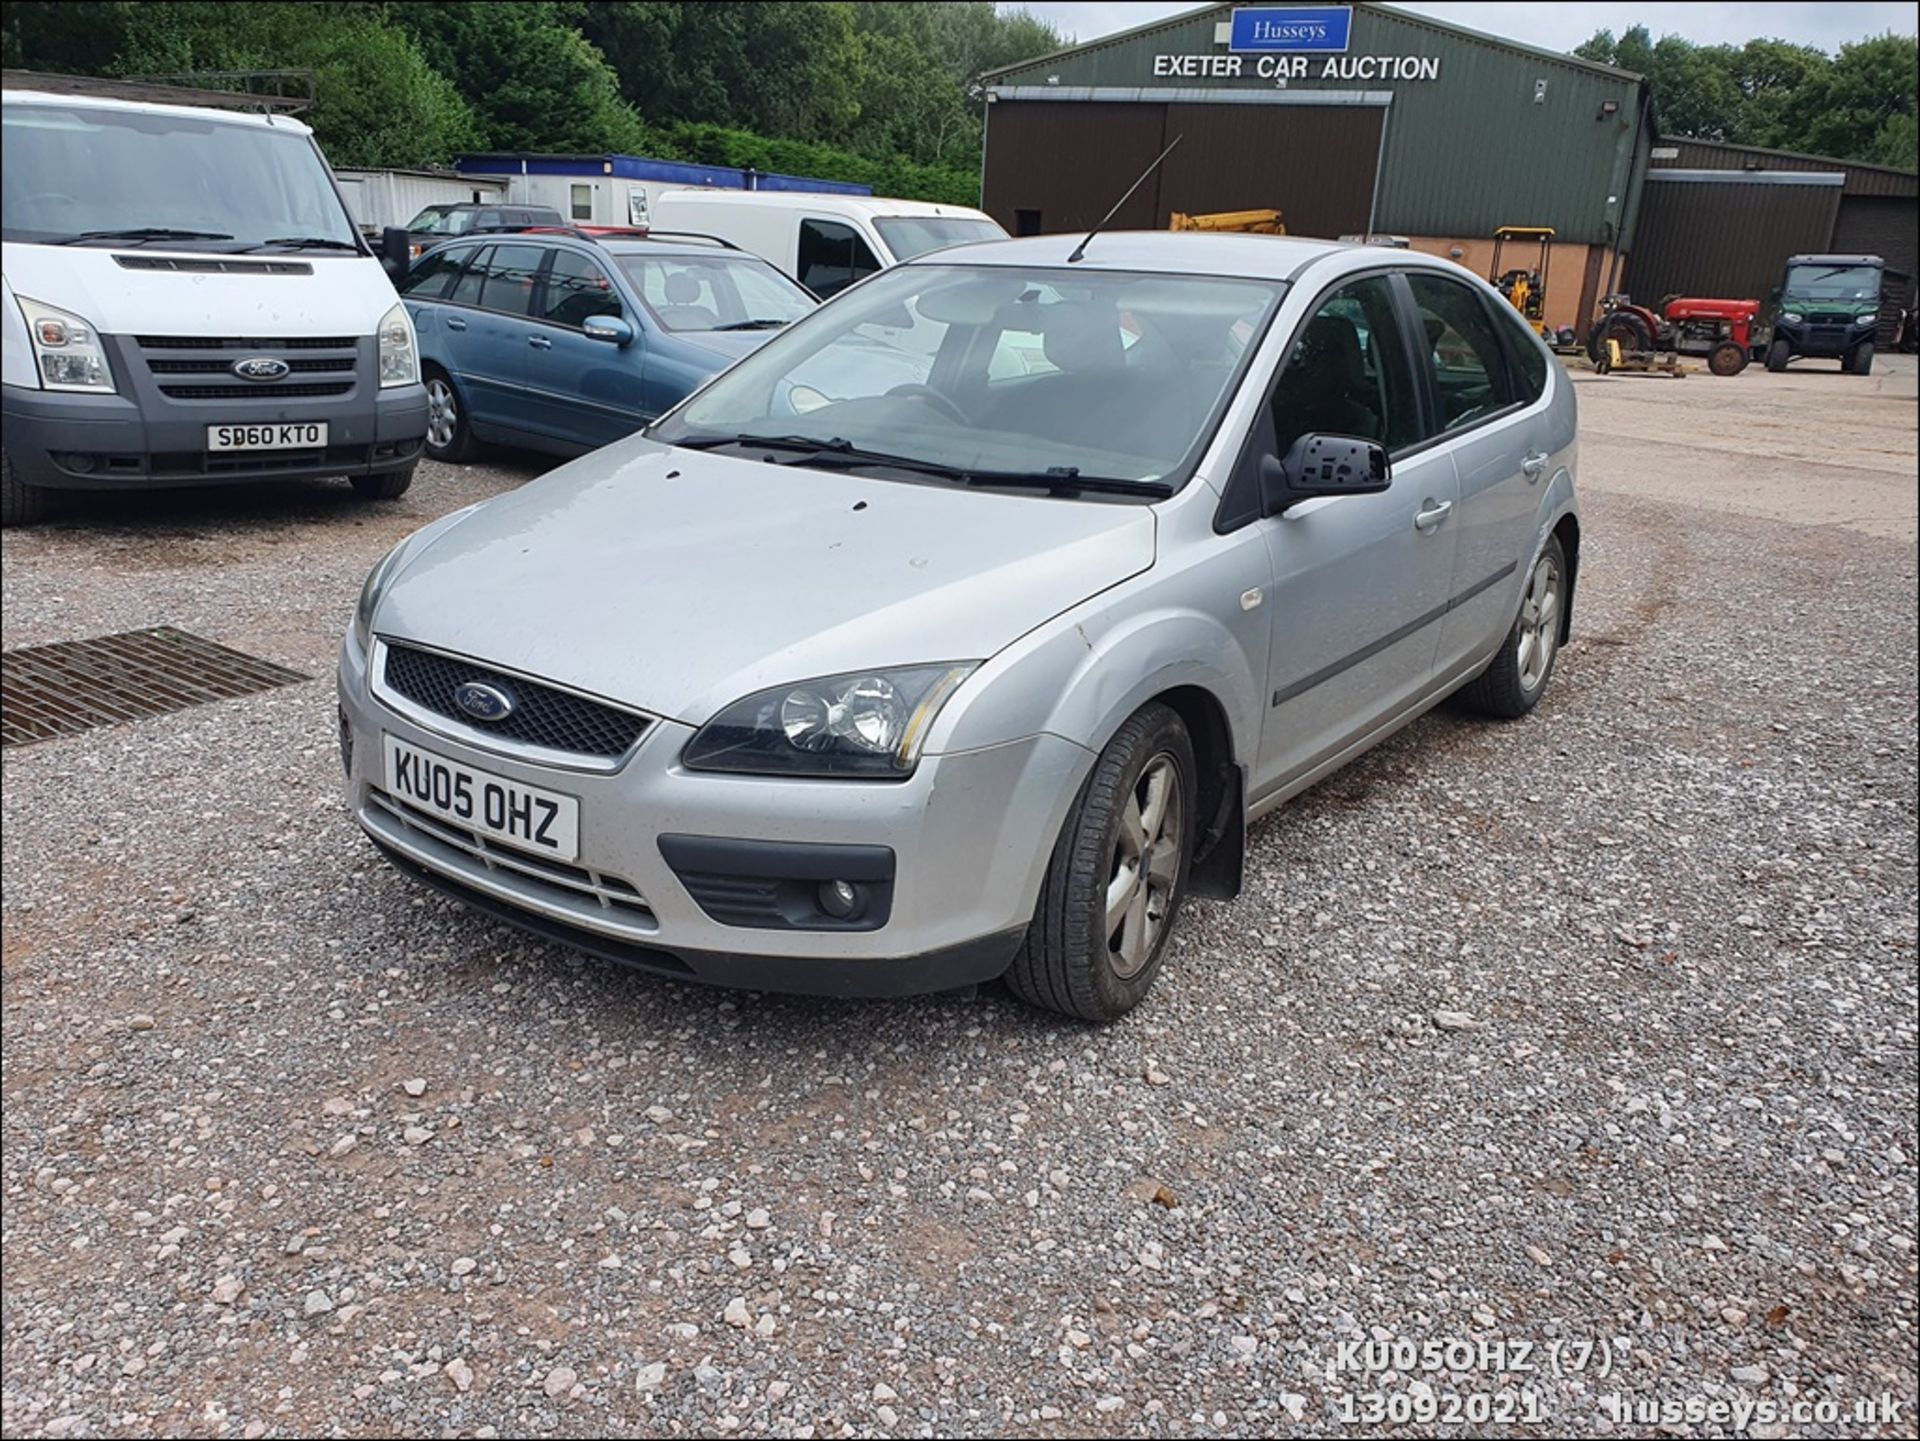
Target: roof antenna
1081	249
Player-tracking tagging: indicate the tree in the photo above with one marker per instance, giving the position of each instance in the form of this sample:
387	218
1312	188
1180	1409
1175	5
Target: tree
534	83
1862	106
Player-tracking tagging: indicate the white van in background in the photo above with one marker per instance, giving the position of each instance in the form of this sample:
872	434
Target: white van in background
184	300
826	242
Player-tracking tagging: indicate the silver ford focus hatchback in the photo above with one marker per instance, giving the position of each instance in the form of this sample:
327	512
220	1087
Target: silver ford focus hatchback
858	685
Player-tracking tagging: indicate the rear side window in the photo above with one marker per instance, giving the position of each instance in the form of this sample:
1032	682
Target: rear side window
832	256
466	290
1462	349
1526	364
577	289
509	282
434	275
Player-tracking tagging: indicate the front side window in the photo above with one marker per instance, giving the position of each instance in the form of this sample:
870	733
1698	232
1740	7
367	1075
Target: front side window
1347	373
1103	375
466	290
508	287
435	272
576	290
80	175
699	292
1461	346
832	256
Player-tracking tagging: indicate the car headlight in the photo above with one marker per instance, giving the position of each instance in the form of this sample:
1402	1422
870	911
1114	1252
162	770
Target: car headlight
66	350
371	592
1866	320
1792	317
399	359
861	724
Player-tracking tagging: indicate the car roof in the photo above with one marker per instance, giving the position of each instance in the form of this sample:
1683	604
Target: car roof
871	206
1260	257
145	107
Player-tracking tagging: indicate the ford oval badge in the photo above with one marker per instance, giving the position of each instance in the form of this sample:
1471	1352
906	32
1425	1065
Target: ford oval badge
483	702
261	367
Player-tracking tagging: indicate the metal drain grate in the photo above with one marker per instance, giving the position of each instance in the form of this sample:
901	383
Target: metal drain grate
75	685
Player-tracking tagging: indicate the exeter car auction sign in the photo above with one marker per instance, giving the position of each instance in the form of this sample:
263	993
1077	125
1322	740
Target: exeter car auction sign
1292	43
1293	28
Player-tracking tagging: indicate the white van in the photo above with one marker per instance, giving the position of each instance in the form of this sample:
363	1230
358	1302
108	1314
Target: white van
184	300
826	242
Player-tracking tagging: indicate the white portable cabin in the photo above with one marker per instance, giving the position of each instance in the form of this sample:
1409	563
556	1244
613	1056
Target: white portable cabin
625	189
379	198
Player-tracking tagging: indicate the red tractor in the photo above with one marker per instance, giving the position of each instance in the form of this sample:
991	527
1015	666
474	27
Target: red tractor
1721	330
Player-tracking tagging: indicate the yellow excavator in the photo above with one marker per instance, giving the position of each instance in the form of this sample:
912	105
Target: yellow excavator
1527	289
1247	222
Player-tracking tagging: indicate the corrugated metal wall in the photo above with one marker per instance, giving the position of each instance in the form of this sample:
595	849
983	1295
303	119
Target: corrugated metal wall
1315	164
1724	239
1466	152
1861	179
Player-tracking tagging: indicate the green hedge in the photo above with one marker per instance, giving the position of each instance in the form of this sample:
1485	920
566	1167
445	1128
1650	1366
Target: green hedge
717	145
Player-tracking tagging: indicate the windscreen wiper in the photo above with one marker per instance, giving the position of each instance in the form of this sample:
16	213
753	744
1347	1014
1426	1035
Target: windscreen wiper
1066	480
839	454
766	324
142	233
308	242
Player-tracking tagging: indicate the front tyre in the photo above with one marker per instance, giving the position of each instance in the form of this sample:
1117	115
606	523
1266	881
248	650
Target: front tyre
1860	359
1518	677
1117	876
383	484
20	503
1778	354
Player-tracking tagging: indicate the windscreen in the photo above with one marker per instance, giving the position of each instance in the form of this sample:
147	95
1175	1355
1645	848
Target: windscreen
1115	375
911	235
75	173
701	292
1833	282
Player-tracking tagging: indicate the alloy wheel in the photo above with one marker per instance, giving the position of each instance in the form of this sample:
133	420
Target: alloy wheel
443	414
1145	866
1539	624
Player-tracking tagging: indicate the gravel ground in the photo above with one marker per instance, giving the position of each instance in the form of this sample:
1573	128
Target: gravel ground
1594	1030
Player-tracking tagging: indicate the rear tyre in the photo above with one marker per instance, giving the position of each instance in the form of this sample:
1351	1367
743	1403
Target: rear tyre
1518	677
383	484
448	438
20	503
1629	329
1778	354
1726	358
1860	359
1119	870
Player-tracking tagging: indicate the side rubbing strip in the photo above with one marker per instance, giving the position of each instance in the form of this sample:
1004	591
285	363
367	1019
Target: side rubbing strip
1394	637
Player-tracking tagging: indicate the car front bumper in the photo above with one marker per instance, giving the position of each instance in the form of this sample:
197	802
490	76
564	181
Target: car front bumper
1824	339
956	853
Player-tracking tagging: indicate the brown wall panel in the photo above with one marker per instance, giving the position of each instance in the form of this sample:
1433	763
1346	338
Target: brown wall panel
1724	239
1070	160
1313	163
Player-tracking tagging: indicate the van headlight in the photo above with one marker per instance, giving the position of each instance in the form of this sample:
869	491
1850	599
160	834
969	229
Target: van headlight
66	350
399	359
1792	317
861	724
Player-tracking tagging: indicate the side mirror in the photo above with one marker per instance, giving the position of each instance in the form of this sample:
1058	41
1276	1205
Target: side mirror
613	329
396	252
1318	465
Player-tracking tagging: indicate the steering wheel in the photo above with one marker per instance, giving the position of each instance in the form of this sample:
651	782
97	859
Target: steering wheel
939	402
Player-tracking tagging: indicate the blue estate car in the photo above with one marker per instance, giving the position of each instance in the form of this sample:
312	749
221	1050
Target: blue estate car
563	343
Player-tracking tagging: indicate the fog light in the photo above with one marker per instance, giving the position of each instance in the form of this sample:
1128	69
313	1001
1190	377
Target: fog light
346	744
843	900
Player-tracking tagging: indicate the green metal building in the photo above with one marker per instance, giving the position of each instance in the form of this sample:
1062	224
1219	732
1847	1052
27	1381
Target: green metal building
1347	119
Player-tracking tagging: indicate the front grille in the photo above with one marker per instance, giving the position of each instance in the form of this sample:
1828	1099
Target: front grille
213	266
267	391
198	342
466	852
303	365
542	716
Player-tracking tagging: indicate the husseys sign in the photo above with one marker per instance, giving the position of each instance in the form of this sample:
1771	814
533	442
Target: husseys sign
1293	43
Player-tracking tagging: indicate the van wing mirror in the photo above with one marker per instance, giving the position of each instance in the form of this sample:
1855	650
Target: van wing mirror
396	252
1317	465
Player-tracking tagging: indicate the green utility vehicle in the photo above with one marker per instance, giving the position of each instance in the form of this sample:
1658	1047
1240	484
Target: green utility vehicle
1827	305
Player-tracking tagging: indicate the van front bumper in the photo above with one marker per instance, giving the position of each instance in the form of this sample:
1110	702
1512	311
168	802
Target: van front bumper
64	440
706	877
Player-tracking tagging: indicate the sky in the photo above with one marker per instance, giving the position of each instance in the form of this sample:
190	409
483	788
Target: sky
1557	26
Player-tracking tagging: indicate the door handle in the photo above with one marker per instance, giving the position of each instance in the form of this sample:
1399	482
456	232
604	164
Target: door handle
1430	518
539	342
1535	465
454	322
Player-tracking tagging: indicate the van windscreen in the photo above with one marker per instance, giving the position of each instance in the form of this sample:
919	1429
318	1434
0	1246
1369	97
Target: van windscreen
81	174
911	235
